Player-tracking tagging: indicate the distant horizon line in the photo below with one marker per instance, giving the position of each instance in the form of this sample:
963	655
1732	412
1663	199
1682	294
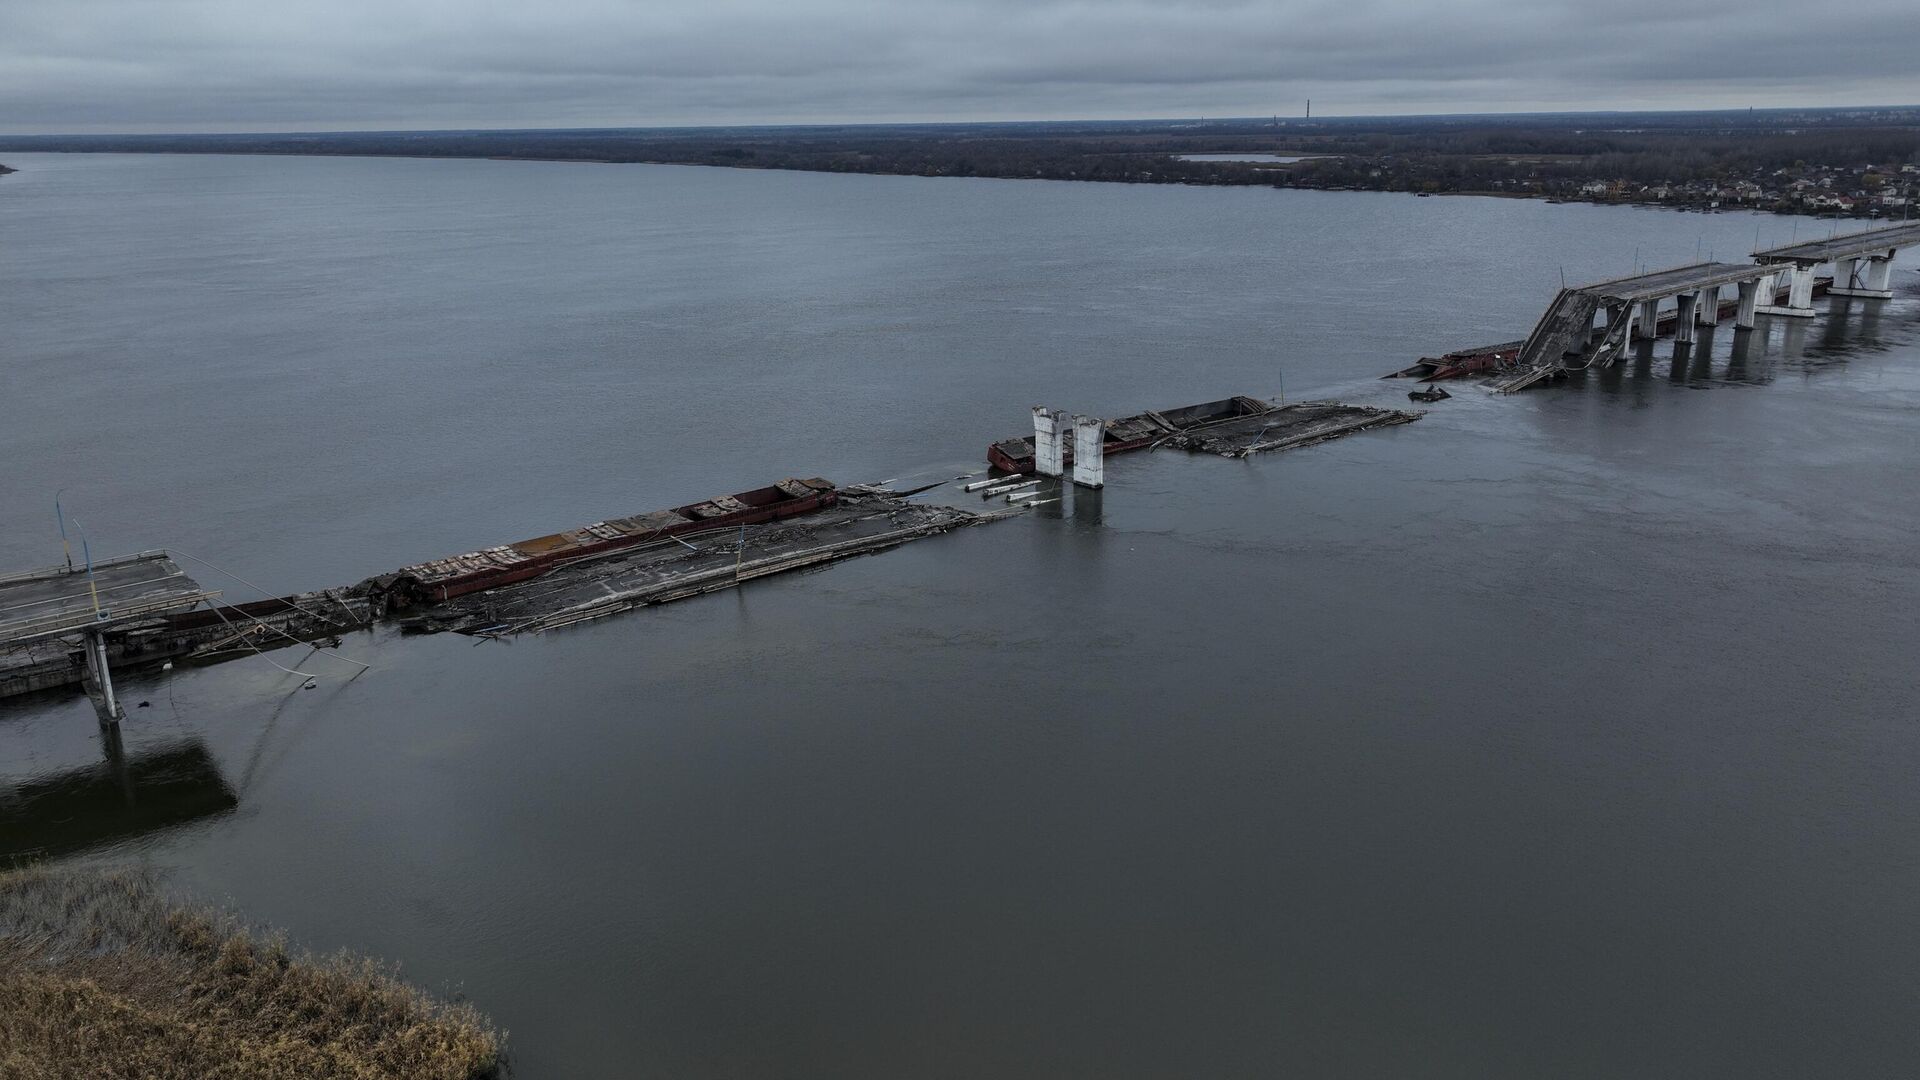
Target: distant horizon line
820	125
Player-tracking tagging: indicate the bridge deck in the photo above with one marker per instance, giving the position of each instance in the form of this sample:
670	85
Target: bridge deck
1844	247
48	603
1680	279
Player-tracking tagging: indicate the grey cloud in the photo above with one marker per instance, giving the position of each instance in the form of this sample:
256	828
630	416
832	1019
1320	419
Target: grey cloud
207	65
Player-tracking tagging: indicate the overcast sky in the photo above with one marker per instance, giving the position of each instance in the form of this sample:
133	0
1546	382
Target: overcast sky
240	65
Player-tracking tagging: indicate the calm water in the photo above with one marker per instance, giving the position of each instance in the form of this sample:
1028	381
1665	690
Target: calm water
1569	734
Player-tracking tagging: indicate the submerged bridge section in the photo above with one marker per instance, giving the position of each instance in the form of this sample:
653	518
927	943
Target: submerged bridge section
1565	337
87	602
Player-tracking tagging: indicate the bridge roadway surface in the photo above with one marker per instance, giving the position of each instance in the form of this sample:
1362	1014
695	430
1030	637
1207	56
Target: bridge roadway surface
1681	279
1844	247
47	603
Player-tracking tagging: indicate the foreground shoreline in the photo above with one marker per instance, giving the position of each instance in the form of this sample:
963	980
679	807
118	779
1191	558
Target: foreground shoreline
104	974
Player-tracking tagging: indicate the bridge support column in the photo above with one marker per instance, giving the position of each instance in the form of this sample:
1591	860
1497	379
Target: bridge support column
1646	320
1089	451
1799	294
1880	275
1800	289
1706	310
1755	296
1683	322
1846	275
1049	441
100	680
1615	314
1869	276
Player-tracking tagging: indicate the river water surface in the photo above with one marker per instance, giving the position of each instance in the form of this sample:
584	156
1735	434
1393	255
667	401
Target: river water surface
1567	734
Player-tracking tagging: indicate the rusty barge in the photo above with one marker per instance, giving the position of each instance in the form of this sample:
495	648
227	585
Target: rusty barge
440	580
860	521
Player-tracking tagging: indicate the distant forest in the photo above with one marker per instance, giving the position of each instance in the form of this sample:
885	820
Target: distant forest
1533	153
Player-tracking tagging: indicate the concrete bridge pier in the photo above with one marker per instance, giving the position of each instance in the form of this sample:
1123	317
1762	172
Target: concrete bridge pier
1846	275
1050	432
1750	296
1089	451
100	680
1799	294
1870	276
1706	310
1684	323
1615	313
1646	320
1880	276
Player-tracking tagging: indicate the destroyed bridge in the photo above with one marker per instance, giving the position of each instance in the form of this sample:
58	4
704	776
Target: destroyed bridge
1779	282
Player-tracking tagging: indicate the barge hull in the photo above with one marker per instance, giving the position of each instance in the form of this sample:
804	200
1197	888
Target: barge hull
445	579
641	577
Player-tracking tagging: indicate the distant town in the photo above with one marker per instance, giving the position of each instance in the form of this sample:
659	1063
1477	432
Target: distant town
1867	190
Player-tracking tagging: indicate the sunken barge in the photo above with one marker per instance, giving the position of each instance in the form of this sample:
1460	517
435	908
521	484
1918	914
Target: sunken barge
1230	427
859	521
440	580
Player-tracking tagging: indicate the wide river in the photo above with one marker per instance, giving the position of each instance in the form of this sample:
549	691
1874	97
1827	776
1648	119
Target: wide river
1568	734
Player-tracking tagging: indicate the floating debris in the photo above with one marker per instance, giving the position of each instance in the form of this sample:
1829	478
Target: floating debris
1287	427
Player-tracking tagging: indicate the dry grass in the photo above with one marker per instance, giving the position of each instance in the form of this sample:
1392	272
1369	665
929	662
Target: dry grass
102	977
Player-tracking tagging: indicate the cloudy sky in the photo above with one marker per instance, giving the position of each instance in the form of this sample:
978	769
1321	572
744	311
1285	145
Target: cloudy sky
246	65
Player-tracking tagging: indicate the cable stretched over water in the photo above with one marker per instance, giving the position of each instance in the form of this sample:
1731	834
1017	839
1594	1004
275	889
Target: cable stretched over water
241	636
223	618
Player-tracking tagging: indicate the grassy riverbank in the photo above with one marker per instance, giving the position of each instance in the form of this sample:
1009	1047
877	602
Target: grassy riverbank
102	976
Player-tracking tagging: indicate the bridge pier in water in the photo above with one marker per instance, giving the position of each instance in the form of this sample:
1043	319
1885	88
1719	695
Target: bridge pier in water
1050	432
1869	276
1686	319
1799	303
1746	312
100	680
1706	308
1089	451
1646	320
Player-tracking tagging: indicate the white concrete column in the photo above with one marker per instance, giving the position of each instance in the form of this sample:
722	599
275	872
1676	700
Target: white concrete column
1799	286
1646	319
1683	324
1706	311
1049	441
1749	302
1880	274
1871	280
1800	292
1089	451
